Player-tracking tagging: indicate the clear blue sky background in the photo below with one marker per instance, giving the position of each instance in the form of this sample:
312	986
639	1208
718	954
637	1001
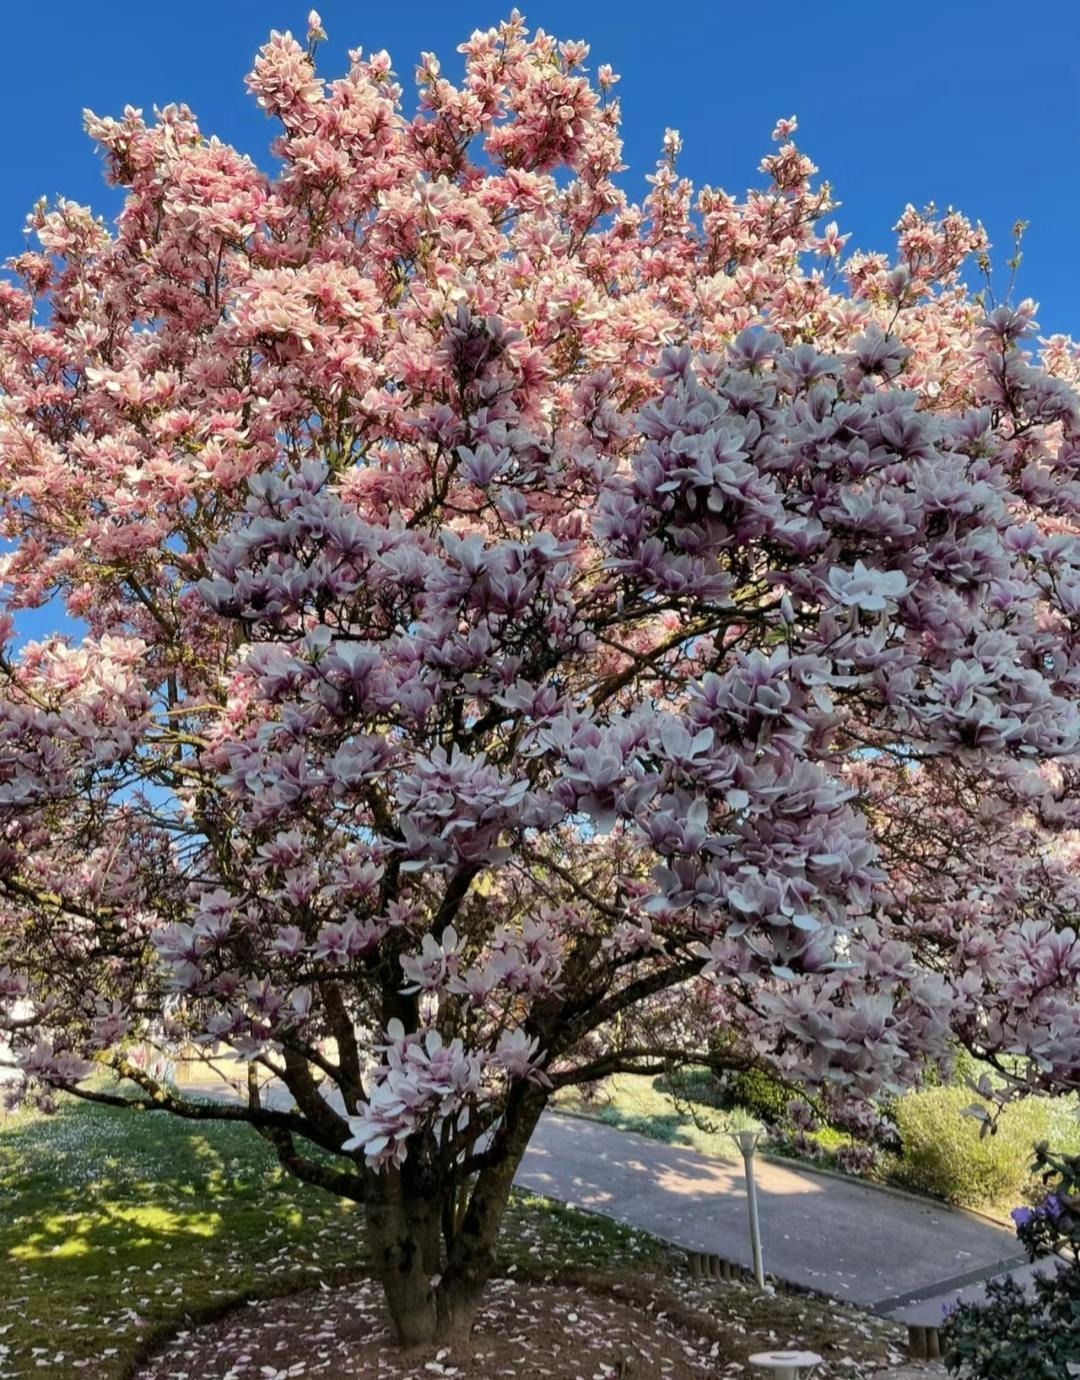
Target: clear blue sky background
974	103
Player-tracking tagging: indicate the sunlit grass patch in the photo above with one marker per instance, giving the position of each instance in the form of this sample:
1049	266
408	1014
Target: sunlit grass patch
540	1232
634	1102
115	1226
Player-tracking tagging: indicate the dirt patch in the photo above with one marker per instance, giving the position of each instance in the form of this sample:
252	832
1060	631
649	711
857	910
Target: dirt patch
929	1370
851	1342
580	1324
523	1330
742	1319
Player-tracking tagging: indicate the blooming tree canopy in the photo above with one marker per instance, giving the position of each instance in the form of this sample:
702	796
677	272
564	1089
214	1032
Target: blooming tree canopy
525	634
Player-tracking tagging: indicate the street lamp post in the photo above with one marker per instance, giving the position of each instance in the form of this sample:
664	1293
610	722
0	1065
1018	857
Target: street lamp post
747	1142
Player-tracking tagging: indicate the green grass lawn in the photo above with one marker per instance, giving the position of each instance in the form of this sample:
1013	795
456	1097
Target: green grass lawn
634	1102
116	1227
114	1224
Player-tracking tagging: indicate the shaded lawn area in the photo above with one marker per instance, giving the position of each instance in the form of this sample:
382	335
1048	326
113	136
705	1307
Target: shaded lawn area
116	1227
634	1102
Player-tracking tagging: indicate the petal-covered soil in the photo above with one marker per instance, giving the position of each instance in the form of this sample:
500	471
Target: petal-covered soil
526	1329
522	1330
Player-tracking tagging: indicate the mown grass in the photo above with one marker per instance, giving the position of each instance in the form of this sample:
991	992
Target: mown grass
116	1227
635	1102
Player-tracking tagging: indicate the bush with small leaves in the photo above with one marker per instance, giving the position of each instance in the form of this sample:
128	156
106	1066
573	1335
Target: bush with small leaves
946	1156
758	1092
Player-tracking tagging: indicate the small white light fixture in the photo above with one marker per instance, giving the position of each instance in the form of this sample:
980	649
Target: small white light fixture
747	1141
786	1365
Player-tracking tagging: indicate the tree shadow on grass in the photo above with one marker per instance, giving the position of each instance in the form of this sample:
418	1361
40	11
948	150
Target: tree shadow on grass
672	1128
116	1225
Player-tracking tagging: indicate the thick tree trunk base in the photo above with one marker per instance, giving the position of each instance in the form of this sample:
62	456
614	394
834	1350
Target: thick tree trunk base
426	1310
429	1301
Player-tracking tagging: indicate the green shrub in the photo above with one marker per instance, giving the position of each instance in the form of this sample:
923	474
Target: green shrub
943	1154
695	1083
756	1092
966	1066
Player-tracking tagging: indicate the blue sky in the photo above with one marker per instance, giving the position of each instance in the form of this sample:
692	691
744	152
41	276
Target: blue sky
974	103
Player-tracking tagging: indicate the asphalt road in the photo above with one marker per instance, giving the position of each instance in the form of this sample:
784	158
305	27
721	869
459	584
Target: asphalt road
841	1237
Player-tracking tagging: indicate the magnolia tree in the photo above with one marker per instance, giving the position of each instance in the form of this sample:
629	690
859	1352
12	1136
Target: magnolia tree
515	635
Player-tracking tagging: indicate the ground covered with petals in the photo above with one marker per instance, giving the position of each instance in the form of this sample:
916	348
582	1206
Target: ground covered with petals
119	1236
534	1330
645	1328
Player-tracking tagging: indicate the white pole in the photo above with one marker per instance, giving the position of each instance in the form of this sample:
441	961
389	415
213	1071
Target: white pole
747	1143
755	1225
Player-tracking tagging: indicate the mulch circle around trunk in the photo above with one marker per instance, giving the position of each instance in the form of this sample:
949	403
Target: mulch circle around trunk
523	1330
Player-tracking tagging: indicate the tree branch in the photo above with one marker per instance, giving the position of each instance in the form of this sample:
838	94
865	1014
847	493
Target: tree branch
336	1181
198	1111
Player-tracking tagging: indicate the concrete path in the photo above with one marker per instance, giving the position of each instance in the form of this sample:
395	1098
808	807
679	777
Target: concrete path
928	1309
842	1238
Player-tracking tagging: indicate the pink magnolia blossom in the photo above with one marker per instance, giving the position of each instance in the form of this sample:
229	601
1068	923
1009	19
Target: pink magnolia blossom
525	635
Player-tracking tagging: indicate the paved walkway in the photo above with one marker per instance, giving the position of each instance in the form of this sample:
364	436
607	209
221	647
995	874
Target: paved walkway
843	1238
927	1309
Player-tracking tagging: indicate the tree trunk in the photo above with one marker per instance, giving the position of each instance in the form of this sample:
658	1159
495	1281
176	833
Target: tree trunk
404	1227
406	1220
